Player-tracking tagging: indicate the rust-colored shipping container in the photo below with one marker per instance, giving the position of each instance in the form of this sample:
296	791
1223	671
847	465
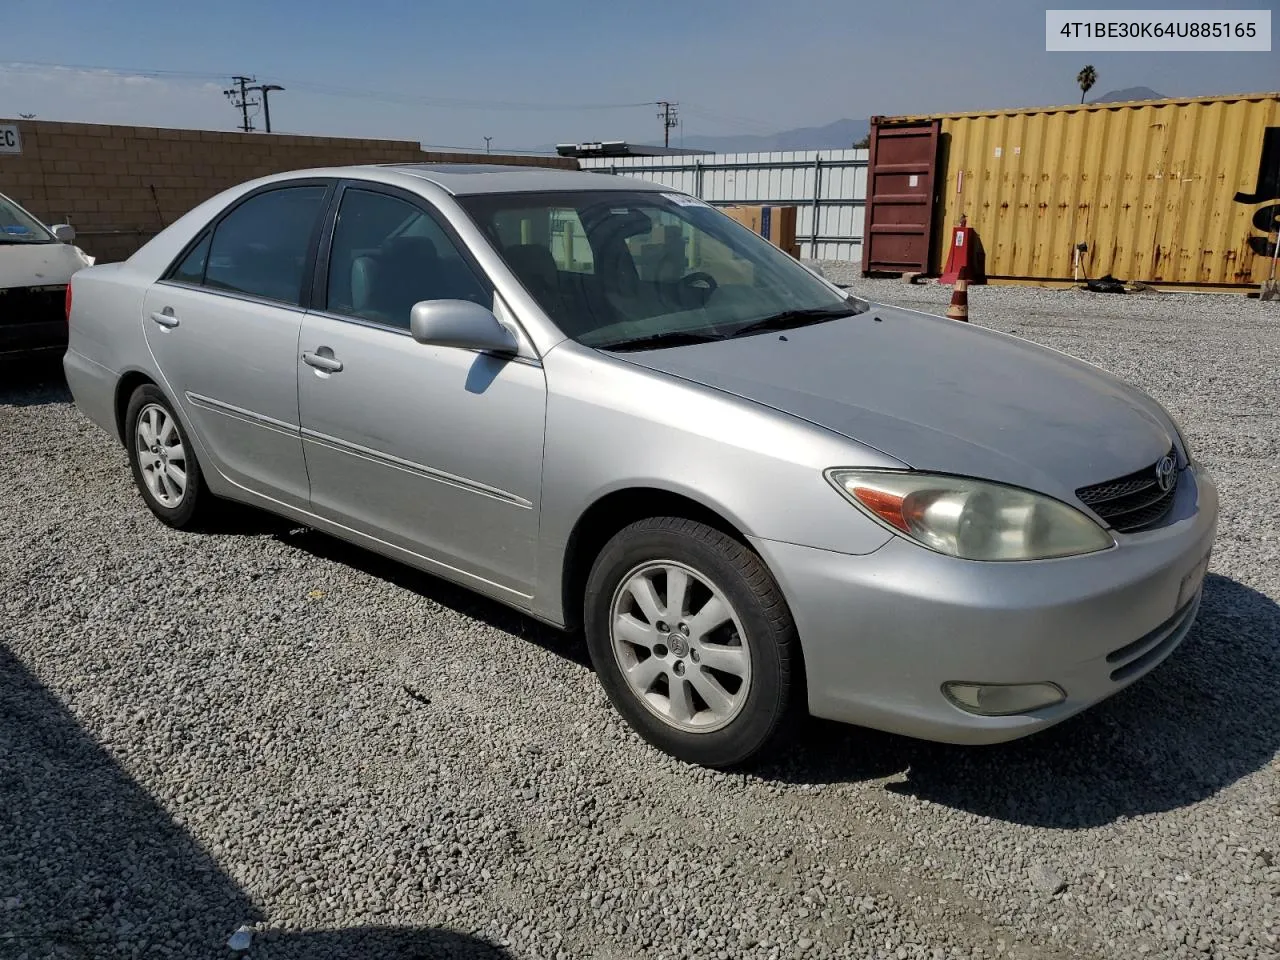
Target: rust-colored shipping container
1169	192
901	193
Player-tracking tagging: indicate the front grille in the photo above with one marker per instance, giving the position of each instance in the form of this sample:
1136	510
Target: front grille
32	318
1131	502
21	305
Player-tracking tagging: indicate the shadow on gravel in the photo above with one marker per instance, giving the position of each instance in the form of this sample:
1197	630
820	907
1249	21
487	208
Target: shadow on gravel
92	867
1205	718
567	645
30	381
373	943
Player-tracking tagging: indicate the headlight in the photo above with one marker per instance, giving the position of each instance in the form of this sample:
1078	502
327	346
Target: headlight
970	519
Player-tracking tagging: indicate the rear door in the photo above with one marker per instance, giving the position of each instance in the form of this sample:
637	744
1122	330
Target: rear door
223	327
436	450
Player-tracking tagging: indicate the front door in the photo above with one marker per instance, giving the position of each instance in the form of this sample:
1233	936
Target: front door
435	450
223	327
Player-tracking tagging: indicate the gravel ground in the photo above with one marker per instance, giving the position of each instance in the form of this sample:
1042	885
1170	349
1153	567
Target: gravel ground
262	726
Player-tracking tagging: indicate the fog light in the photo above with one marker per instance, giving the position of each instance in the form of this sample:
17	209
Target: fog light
1002	699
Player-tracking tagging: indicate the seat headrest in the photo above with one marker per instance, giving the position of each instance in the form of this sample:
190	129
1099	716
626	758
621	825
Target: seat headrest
364	273
532	262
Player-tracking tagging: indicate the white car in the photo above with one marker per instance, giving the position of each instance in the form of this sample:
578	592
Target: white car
36	263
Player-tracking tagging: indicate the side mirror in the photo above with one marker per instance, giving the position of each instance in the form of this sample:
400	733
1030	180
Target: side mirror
64	232
460	323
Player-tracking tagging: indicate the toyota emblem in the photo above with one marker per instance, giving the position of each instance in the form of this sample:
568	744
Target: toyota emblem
1166	473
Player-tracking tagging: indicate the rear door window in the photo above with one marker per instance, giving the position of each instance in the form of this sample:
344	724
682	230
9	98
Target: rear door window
261	247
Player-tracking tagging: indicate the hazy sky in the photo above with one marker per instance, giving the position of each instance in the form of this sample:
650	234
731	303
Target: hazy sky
452	73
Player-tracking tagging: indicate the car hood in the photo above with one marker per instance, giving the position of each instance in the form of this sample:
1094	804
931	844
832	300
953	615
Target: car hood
940	396
39	264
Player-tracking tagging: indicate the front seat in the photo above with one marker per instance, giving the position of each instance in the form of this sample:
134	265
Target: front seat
536	268
389	284
364	274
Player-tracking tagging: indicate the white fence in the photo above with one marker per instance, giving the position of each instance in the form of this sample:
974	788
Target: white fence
828	186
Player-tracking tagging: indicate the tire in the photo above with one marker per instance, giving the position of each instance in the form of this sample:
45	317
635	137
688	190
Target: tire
752	654
151	458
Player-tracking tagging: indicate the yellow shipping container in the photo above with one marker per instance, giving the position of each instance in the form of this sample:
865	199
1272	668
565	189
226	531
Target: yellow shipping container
1169	192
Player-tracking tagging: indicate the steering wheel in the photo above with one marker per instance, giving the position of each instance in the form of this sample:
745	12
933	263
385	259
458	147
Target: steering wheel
700	285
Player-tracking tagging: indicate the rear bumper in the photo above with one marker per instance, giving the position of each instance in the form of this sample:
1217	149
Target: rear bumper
882	633
93	387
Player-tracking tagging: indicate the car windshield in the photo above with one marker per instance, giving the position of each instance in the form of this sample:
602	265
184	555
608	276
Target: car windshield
18	226
621	269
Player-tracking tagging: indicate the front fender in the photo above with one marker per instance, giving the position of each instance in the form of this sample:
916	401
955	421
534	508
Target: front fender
615	426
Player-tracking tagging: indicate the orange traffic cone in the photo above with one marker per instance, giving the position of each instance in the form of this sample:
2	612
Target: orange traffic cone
959	309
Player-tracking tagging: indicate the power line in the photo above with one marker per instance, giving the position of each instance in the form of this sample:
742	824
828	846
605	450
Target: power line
709	114
452	102
384	96
669	116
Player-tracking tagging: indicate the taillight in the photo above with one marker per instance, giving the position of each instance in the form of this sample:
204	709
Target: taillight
68	303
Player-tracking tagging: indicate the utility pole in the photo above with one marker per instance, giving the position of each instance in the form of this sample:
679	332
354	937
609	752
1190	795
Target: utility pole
240	99
486	144
265	89
669	119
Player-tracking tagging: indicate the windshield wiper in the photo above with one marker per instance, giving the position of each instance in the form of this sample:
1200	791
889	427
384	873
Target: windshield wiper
654	341
799	318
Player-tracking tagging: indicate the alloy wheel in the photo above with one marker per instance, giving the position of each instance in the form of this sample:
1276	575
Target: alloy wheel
680	646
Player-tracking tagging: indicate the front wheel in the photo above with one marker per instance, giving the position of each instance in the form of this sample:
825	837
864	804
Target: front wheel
692	641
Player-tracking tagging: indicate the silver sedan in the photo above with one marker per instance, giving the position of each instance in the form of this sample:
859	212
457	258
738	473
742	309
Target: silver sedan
610	406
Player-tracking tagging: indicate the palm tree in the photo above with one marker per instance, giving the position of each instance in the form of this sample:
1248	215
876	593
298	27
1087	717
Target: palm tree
1086	78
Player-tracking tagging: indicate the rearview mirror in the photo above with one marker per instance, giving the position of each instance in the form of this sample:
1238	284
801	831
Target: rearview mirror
64	232
460	323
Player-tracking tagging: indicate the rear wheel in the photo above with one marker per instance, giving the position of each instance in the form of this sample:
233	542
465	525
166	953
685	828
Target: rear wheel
164	465
692	640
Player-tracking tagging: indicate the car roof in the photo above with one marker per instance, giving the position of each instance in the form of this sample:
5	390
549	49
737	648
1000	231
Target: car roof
462	179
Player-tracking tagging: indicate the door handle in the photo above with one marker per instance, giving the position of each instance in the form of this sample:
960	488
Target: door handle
321	362
165	318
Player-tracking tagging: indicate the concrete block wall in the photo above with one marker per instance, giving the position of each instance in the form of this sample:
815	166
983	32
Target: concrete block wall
118	186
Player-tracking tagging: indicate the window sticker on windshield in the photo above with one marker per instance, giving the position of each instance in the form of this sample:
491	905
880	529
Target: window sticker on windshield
620	211
684	200
16	228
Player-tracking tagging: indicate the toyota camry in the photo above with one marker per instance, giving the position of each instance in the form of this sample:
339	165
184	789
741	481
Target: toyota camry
605	403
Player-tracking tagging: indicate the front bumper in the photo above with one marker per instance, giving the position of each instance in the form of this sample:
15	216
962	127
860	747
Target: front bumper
33	319
882	633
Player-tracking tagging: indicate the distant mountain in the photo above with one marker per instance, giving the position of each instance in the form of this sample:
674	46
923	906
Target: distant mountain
1128	93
